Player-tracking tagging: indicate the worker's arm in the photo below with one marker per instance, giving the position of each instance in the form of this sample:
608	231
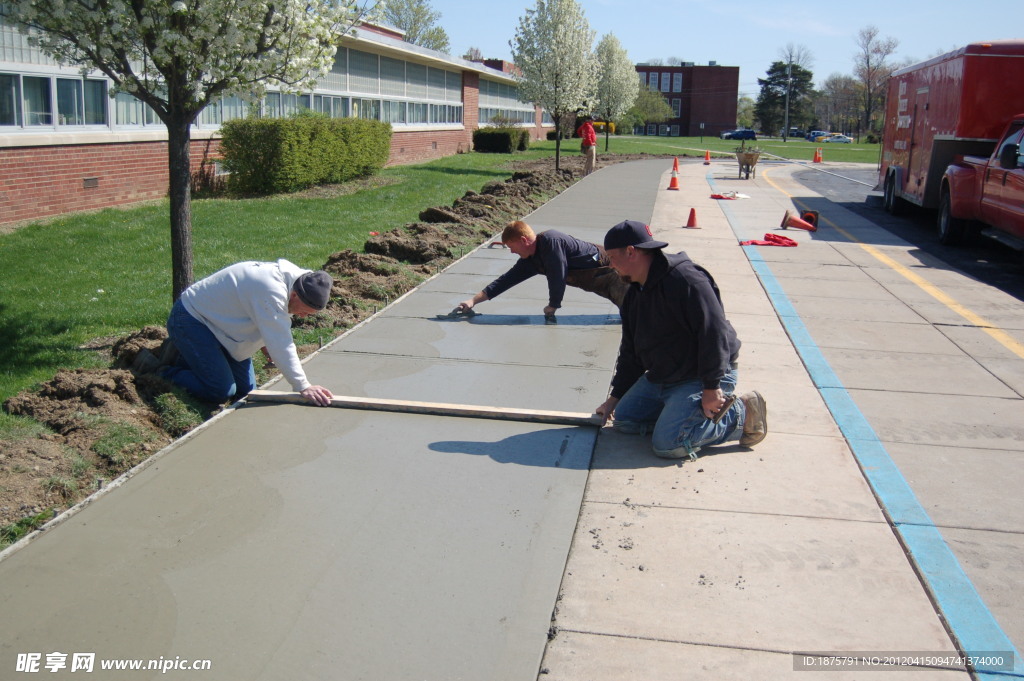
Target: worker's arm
475	300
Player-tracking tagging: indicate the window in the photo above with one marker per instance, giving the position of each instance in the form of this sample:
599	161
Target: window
37	101
653	82
677	107
395	112
366	108
335	107
666	80
131	111
652	129
69	102
10	99
677	82
96	102
675	131
663	130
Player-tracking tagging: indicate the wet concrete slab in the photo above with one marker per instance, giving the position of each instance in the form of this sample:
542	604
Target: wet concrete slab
297	542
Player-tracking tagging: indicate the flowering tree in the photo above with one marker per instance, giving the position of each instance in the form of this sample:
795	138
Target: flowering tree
617	83
179	56
552	49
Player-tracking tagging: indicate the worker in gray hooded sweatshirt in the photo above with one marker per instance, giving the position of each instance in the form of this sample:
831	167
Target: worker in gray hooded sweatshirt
220	322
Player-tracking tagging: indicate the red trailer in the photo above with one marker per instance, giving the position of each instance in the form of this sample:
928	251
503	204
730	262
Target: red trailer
947	126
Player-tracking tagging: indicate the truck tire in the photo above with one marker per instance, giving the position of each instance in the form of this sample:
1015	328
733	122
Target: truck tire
952	231
892	203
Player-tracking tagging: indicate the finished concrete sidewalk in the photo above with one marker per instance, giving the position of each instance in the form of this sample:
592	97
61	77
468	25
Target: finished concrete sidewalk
728	567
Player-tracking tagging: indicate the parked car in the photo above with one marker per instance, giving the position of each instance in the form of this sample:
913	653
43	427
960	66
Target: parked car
742	134
842	139
823	136
813	135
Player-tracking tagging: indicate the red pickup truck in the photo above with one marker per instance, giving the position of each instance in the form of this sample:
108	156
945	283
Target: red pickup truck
988	191
952	139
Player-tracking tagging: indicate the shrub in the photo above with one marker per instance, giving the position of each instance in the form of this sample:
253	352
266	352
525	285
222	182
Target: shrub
501	140
266	156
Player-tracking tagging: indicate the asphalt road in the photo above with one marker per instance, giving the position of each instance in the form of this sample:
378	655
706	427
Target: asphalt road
986	260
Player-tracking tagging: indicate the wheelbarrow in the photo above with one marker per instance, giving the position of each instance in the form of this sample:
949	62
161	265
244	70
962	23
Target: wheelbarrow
747	161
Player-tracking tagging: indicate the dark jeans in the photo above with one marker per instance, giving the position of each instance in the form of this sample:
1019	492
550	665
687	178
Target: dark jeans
205	368
603	280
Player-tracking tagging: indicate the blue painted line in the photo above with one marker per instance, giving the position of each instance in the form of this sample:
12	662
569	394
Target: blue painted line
968	618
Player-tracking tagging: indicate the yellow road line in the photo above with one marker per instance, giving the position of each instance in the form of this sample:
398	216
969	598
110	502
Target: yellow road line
1001	336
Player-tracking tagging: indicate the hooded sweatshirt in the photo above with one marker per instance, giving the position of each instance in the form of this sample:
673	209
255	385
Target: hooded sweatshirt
674	328
246	307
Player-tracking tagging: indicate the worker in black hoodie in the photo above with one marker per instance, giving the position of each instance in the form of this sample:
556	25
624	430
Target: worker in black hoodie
676	372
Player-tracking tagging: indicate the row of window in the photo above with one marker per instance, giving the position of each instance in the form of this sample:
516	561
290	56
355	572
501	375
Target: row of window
653	129
669	82
487	115
52	101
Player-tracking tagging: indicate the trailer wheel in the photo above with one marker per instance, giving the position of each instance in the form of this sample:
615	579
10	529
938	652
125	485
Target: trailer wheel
892	203
952	231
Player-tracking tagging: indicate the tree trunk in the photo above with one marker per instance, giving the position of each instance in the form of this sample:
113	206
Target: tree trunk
558	139
180	176
607	132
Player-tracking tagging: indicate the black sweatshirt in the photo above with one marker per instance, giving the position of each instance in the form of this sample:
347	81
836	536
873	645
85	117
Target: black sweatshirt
674	328
556	254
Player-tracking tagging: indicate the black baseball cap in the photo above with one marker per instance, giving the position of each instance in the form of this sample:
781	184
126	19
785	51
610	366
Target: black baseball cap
631	233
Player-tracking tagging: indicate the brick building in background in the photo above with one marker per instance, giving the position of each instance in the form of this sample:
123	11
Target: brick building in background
65	146
699	96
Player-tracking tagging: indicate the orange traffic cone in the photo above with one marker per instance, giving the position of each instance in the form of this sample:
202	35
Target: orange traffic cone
691	223
817	155
790	220
707	157
810	217
674	182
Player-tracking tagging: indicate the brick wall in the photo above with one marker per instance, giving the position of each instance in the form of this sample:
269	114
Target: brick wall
43	181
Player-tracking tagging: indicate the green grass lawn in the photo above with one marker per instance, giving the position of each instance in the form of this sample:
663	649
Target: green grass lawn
81	277
795	149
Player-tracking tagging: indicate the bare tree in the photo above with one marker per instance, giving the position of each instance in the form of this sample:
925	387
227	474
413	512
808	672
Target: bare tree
799	55
872	68
837	105
473	54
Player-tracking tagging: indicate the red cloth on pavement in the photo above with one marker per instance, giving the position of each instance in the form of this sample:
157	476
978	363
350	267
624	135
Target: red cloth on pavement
770	240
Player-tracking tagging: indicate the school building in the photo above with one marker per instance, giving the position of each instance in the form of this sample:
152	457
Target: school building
703	98
66	146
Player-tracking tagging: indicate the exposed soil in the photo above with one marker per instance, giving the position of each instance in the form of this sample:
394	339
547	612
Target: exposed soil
98	423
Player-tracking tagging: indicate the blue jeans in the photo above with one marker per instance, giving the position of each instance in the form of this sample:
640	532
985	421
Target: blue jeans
205	368
673	415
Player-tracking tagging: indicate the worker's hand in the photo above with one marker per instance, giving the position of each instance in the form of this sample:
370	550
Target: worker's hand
266	354
550	311
317	394
465	306
606	409
711	401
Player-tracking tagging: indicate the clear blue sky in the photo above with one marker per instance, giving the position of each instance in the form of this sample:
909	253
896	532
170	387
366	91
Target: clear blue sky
749	34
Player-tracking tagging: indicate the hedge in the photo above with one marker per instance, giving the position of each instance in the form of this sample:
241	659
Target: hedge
276	155
501	140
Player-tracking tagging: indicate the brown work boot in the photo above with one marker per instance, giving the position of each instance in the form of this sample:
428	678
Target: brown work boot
755	425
